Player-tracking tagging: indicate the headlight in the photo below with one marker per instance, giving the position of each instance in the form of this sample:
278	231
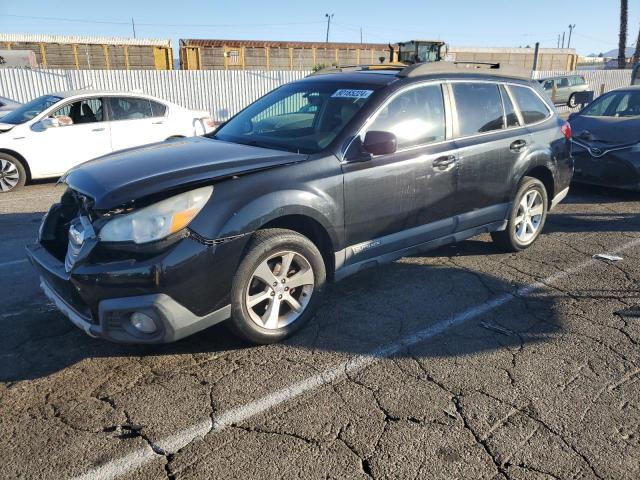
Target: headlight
156	221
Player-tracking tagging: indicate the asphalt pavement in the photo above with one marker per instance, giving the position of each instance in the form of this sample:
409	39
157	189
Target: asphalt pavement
465	362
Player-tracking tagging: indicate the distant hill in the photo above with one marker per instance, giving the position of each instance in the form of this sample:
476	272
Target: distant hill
614	53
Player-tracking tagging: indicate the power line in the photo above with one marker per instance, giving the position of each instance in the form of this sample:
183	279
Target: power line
211	25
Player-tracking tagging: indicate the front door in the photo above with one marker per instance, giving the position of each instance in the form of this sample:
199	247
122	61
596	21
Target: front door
83	134
401	199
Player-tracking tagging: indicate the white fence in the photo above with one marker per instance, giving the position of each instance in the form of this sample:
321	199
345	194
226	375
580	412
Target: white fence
600	81
221	92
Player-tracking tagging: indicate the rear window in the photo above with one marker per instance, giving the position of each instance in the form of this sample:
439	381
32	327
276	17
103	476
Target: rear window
128	108
576	81
479	108
532	107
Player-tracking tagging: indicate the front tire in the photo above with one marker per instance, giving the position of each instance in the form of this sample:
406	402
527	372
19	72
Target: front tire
527	217
278	286
12	173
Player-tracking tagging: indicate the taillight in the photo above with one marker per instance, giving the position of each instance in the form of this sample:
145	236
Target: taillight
566	130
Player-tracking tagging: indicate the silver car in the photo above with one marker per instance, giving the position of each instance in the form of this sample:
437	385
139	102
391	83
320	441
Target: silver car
7	105
562	89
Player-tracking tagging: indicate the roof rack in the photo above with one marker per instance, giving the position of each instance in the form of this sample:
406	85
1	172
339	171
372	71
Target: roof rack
359	68
495	69
430	68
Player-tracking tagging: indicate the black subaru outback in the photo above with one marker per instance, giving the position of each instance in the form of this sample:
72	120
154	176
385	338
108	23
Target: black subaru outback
315	181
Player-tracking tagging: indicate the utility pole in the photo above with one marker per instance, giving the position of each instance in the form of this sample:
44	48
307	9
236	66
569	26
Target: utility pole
563	39
360	35
133	26
558	40
329	17
571	27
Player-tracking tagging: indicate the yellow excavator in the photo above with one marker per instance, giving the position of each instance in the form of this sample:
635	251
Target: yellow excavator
416	51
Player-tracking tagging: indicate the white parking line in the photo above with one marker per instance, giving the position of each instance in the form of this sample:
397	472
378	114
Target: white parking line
175	442
13	262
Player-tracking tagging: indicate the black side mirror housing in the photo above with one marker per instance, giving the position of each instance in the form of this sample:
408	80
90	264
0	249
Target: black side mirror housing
380	143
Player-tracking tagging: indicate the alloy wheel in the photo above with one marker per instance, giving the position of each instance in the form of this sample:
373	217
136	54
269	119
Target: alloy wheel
529	216
9	175
279	290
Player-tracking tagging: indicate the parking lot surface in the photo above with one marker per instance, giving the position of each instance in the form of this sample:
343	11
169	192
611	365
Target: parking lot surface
464	362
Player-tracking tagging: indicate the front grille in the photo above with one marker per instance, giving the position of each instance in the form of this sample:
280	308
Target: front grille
54	233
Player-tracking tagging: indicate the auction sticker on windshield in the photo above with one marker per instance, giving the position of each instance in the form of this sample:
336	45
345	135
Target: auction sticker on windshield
350	93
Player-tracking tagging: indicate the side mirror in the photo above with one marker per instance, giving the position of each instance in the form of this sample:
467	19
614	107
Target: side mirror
46	123
380	143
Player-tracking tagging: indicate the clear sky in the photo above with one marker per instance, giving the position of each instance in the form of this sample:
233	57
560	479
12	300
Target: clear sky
503	23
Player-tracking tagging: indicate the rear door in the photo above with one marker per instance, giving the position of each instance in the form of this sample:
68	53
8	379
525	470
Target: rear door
397	200
134	123
563	90
486	145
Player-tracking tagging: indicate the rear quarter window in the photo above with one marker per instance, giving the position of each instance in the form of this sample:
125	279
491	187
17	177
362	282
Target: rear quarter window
158	109
532	107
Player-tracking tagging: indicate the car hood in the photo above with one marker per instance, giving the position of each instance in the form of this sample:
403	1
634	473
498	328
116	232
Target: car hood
606	132
119	178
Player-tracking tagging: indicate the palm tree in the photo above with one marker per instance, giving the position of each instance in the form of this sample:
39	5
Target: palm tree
622	44
636	54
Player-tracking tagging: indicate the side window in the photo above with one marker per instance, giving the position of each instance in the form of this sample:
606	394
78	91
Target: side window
531	106
479	108
158	109
84	111
564	82
548	85
509	110
415	117
124	108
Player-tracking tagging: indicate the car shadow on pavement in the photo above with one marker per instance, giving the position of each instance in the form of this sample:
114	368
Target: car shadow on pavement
581	193
358	316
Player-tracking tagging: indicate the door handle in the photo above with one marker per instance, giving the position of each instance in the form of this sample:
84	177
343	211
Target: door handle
98	129
444	163
518	145
161	122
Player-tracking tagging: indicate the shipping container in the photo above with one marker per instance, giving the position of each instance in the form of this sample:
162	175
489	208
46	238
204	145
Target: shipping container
273	55
93	53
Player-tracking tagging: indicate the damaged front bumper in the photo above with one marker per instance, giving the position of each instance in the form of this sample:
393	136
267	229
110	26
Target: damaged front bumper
100	298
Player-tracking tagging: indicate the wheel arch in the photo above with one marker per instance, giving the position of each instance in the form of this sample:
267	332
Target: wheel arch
20	158
545	175
312	229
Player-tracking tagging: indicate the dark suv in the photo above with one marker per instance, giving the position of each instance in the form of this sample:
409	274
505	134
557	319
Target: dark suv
317	180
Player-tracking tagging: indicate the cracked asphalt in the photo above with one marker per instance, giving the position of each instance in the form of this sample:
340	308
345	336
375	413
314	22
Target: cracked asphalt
543	385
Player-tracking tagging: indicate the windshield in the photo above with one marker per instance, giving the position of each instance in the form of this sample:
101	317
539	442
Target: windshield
615	104
29	110
303	117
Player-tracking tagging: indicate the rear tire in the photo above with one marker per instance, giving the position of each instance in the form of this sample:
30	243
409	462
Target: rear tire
278	286
527	217
13	175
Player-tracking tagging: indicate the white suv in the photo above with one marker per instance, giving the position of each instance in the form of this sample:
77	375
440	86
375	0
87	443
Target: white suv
49	135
